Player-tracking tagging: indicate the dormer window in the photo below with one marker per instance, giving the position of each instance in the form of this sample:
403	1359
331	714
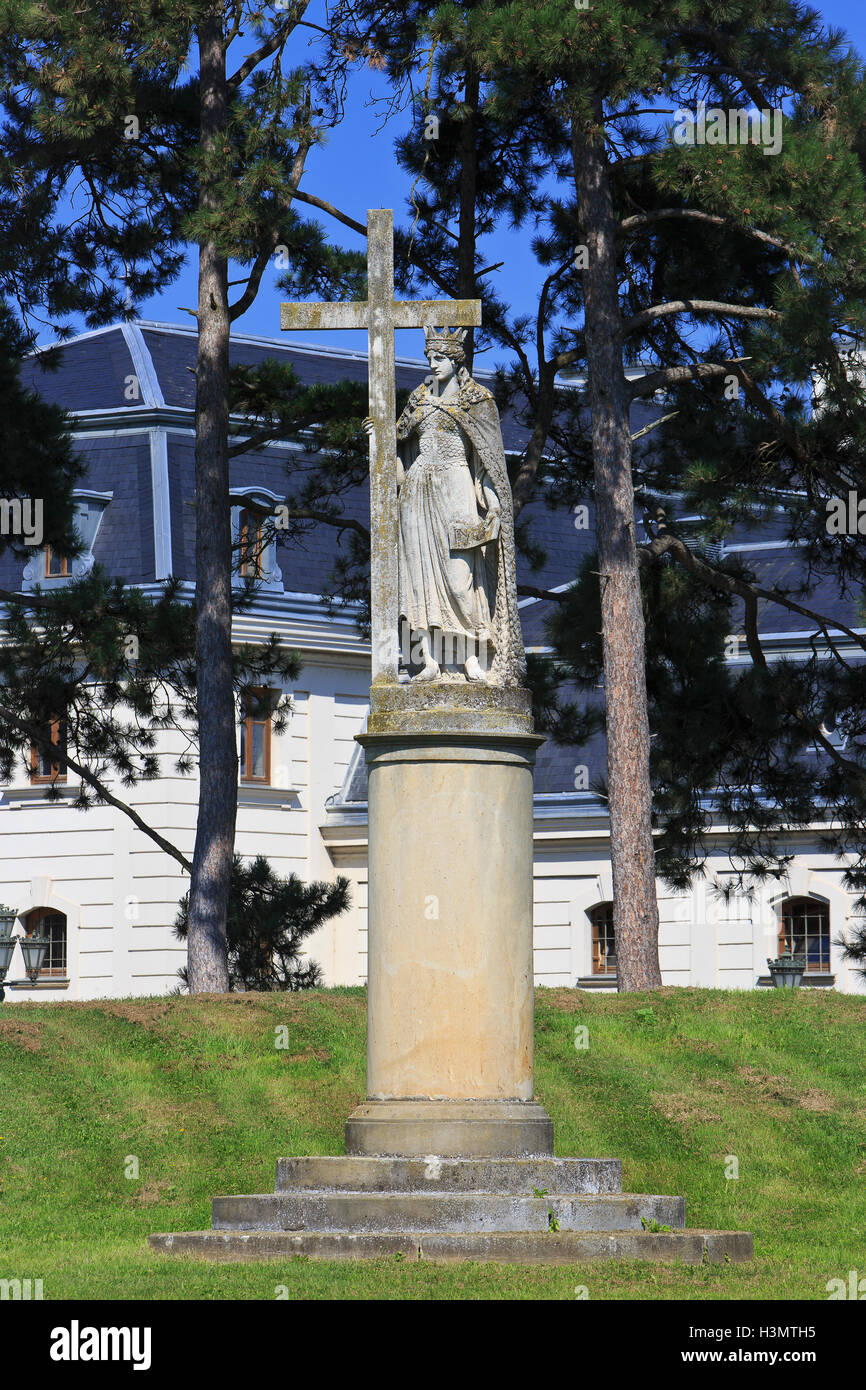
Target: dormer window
49	569
254	538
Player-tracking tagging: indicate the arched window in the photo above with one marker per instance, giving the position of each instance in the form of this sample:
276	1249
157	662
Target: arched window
804	930
603	946
44	921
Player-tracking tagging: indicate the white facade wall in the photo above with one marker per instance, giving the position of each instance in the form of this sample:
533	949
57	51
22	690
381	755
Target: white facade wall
120	892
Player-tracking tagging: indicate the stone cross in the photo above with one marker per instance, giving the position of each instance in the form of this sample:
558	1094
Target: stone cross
380	313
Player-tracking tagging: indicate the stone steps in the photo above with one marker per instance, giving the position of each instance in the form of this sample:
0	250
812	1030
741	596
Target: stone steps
445	1208
448	1212
567	1176
549	1248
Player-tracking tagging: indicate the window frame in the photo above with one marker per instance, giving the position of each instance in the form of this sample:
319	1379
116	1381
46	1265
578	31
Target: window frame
251	566
32	923
601	927
62	560
248	720
57	773
808	907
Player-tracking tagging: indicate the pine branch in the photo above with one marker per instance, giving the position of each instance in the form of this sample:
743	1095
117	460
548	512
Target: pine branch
672	376
693	214
342	523
654	424
324	206
255	441
271	45
29	600
722	582
697	306
530	591
724	48
260	264
60	755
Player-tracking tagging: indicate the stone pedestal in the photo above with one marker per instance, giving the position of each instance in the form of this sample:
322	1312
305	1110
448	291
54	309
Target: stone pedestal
450	1157
450	995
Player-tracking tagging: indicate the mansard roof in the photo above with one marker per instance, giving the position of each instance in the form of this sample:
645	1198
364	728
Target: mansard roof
130	391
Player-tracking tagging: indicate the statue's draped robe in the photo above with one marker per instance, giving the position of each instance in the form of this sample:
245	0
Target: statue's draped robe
450	450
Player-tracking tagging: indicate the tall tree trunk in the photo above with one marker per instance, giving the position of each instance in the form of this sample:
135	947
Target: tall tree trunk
636	917
218	764
468	184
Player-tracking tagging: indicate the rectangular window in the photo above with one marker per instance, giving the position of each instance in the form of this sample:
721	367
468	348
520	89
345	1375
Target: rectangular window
603	946
250	528
43	768
256	738
53	925
56	566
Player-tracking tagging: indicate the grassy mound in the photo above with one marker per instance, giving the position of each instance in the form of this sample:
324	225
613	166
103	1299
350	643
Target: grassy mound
120	1117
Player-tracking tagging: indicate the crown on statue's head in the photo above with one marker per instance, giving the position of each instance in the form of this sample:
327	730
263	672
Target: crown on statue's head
444	339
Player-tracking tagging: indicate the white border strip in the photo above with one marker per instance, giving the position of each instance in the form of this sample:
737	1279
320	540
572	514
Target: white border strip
161	503
143	363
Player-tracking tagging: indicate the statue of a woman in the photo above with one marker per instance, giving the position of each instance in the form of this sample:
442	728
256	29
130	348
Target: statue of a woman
457	589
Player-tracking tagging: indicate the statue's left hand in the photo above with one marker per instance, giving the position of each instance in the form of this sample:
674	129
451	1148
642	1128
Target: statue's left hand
492	501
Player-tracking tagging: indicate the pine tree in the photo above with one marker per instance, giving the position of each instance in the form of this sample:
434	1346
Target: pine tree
97	99
722	266
269	921
715	264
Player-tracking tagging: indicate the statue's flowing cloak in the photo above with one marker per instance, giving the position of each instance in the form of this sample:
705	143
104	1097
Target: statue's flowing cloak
475	411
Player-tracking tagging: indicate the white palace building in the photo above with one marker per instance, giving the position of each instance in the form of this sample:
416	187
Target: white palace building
107	895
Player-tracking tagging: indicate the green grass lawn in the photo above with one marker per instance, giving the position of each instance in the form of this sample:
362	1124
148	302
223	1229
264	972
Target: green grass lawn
197	1092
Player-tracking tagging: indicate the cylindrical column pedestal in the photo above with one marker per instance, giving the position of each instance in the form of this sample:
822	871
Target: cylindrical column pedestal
450	994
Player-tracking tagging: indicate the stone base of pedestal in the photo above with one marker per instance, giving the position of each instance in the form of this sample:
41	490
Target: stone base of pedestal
468	1129
562	1248
515	1210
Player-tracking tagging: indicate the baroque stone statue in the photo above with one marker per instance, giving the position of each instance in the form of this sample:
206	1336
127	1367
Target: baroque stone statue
456	569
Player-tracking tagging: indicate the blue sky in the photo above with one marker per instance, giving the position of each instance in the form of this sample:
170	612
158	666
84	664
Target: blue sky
357	169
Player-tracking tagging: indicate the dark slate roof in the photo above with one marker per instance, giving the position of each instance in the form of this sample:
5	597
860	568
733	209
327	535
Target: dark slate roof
92	375
124	541
90	372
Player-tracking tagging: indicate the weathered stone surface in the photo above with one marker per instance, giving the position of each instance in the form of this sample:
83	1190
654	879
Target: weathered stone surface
444	709
449	1212
450	983
472	1129
549	1247
572	1176
380	314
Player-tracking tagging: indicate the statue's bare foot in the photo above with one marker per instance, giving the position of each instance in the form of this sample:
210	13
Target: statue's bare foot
474	671
429	673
